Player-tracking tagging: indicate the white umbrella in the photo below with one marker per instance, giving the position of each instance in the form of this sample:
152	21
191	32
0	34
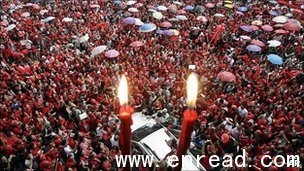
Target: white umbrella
42	12
130	2
138	22
202	18
244	37
173	19
133	9
25	42
48	19
273	43
95	6
218	15
10	27
158	15
84	38
177	3
280	19
67	19
162	8
181	17
25	14
152	10
97	50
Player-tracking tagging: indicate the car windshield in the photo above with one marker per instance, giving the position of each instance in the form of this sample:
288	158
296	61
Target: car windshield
144	131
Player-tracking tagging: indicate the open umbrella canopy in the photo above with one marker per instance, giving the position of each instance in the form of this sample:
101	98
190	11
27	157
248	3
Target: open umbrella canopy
280	19
162	8
275	59
246	28
67	19
273	43
147	27
244	37
273	13
253	48
129	20
10	27
210	5
243	9
293	25
254	27
281	31
97	50
166	24
257	22
112	53
226	76
267	28
138	22
189	7
130	2
257	42
202	18
157	15
181	17
84	38
219	15
177	3
48	19
137	44
25	14
228	6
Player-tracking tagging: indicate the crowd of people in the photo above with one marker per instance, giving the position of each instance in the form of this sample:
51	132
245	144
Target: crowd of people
59	103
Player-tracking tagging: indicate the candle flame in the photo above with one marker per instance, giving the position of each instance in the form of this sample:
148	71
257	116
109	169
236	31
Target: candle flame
123	91
192	89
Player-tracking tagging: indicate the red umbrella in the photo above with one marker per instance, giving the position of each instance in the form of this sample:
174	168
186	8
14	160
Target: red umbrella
292	26
280	31
226	76
257	42
166	24
267	28
137	44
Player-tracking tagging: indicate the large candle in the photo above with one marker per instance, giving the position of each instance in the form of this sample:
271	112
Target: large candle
125	113
189	118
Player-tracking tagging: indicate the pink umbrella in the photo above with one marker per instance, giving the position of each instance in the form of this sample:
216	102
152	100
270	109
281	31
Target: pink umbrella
253	27
4	23
279	25
166	24
172	7
267	28
280	31
36	6
226	76
293	25
210	5
257	42
112	53
139	5
137	44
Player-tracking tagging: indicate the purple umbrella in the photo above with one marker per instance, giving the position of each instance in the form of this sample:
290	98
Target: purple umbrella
168	33
246	28
112	53
253	48
129	20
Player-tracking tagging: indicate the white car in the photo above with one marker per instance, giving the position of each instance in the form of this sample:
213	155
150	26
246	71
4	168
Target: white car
152	139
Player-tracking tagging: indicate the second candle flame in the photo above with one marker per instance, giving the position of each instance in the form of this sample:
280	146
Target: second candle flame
123	91
192	89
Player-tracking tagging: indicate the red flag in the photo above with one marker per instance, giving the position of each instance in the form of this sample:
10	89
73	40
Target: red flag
217	34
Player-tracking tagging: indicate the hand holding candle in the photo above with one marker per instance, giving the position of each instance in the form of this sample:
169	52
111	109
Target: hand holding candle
190	116
125	113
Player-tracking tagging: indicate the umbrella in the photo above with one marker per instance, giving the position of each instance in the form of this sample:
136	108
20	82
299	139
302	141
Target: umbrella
138	22
219	15
228	2
173	19
167	32
288	15
275	59
175	32
48	19
112	53
253	48
280	31
280	19
162	8
129	20
67	19
267	28
130	2
257	42
42	12
25	14
181	12
257	22
279	25
189	7
246	28
138	5
147	27
297	11
210	5
166	24
202	18
172	8
94	6
177	3
293	25
226	76
228	6
243	9
10	27
117	2
245	37
84	38
273	2
137	44
254	27
273	43
157	15
4	23
239	12
273	13
133	10
25	42
152	10
97	50
181	17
